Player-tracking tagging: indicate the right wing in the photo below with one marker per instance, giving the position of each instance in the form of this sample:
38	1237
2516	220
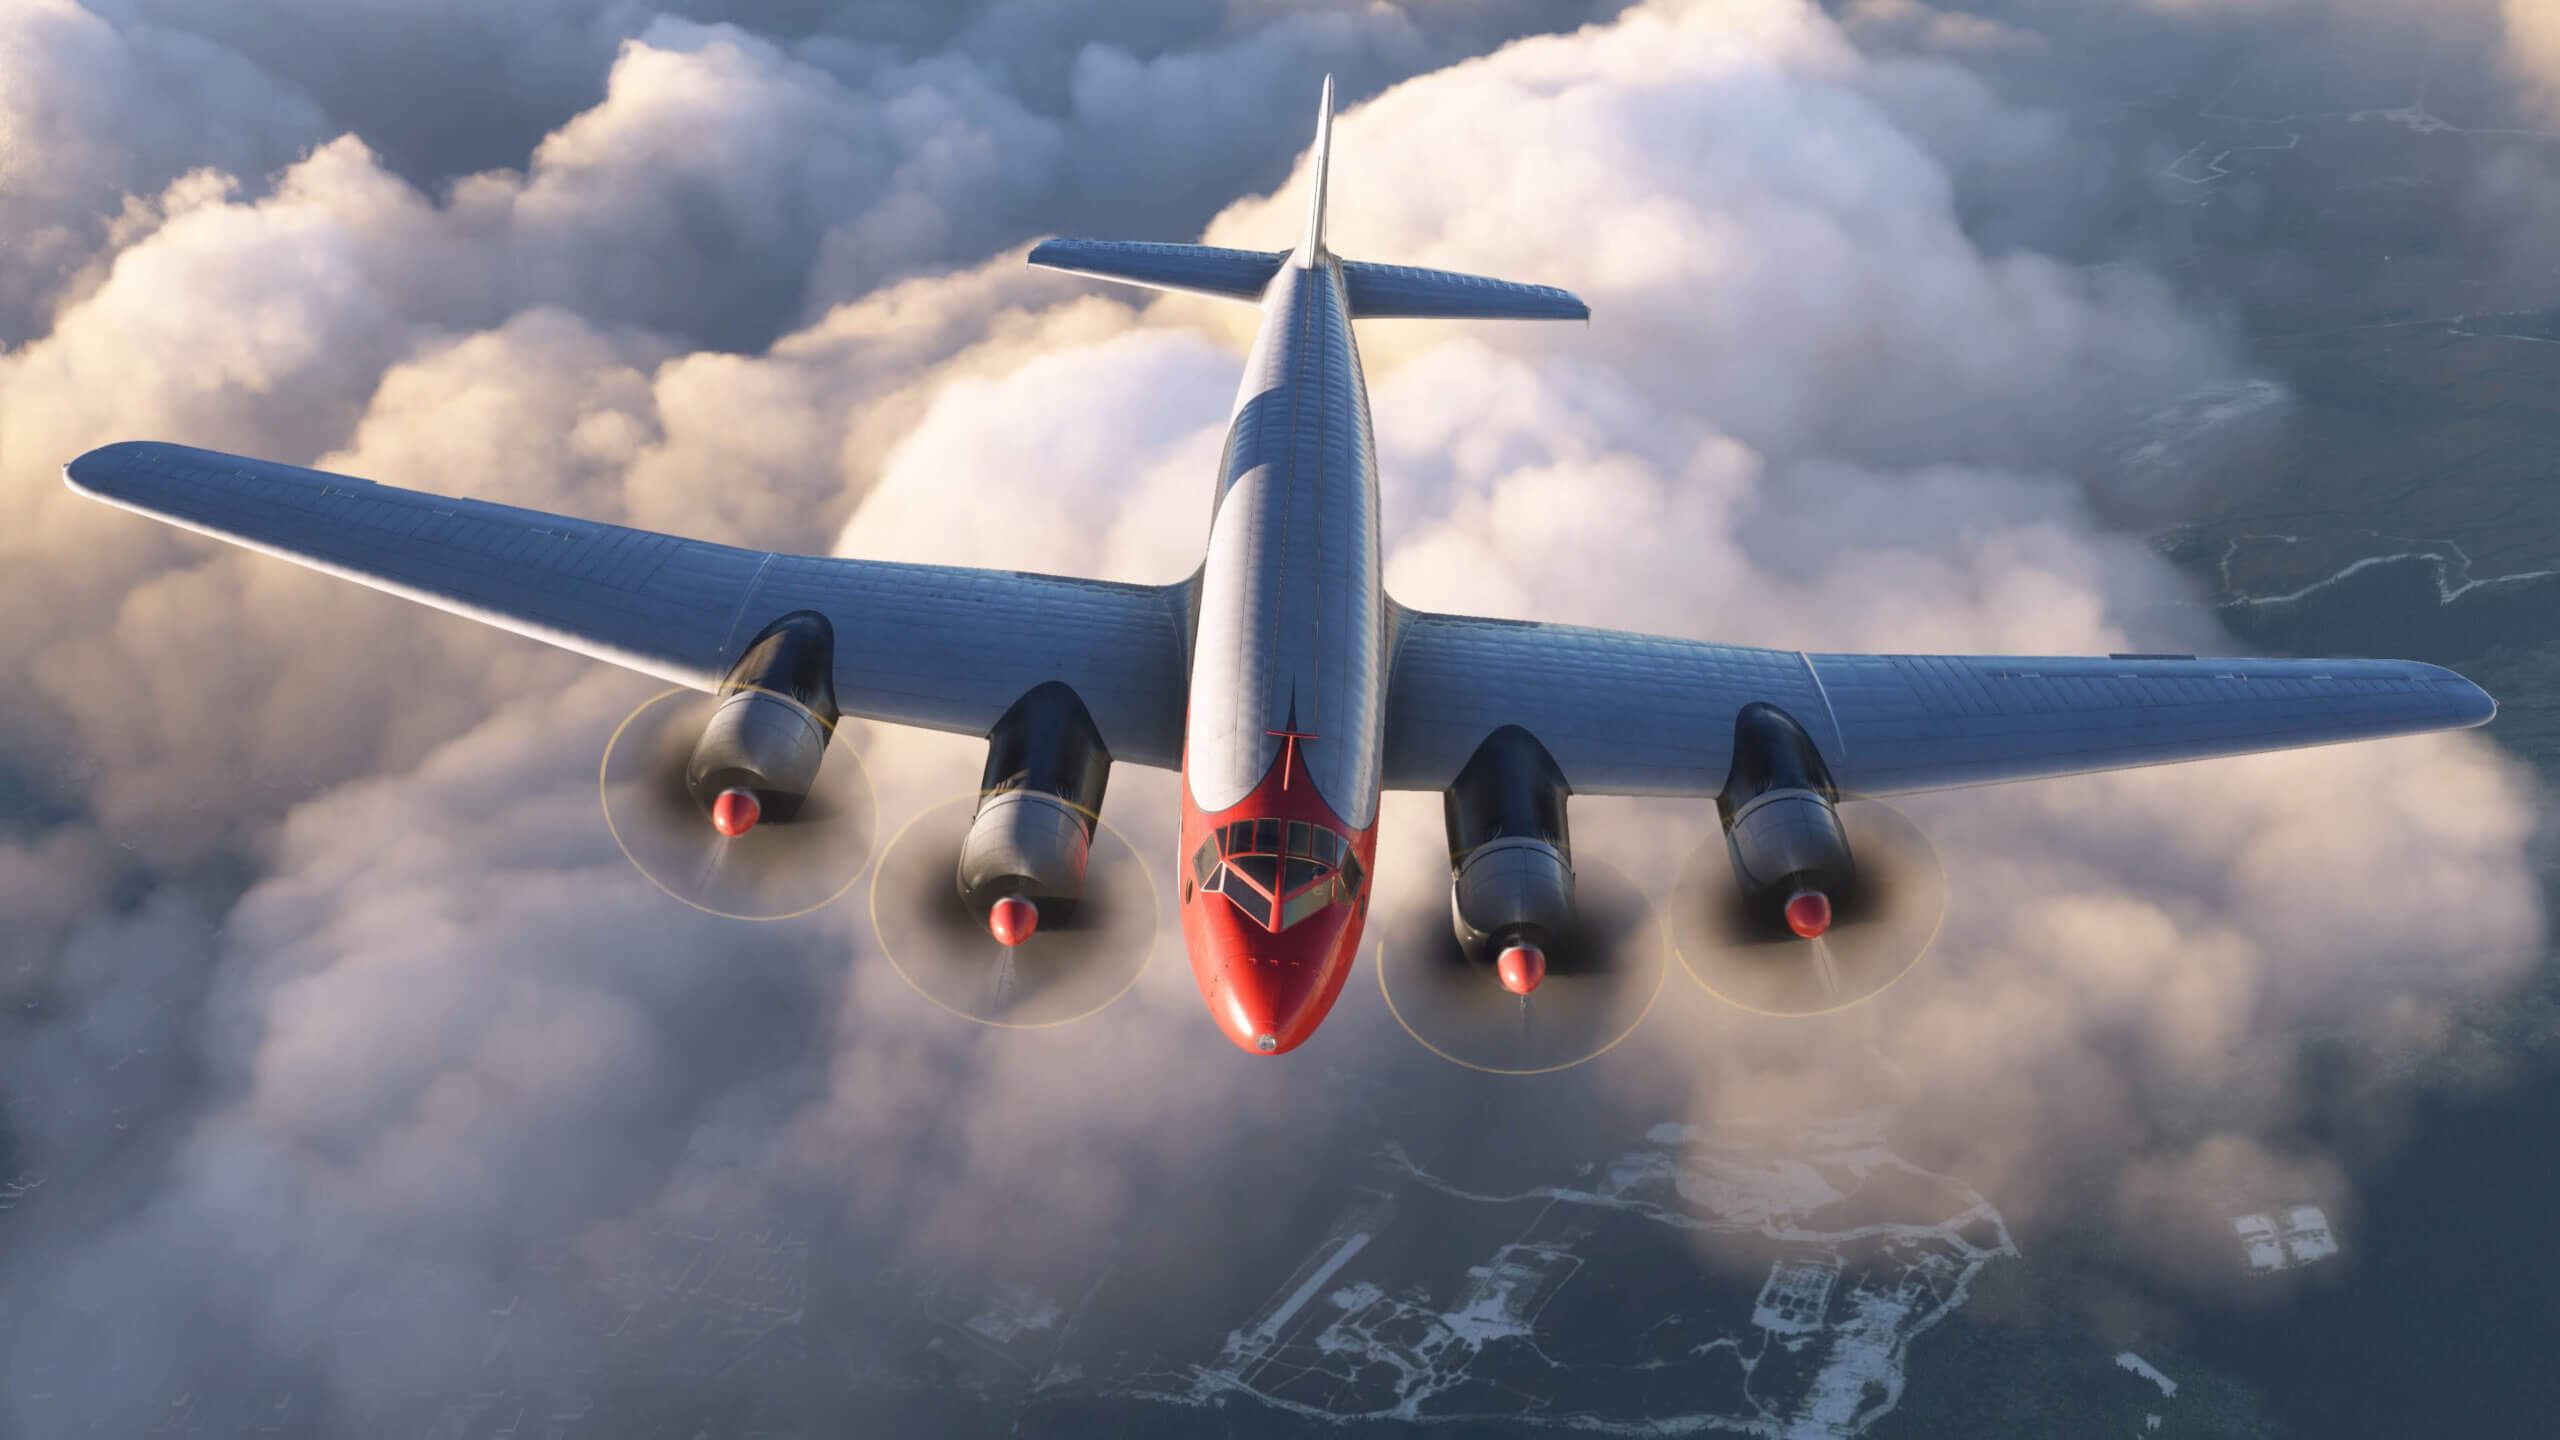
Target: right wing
937	646
1628	714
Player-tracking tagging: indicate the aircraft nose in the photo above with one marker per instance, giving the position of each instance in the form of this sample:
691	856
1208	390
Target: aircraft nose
1272	996
1267	1000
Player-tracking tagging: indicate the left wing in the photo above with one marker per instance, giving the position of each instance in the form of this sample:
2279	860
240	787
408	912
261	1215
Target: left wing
937	646
1628	714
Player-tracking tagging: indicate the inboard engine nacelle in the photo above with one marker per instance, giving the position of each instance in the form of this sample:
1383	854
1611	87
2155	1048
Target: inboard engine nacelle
1038	802
1510	856
1790	853
759	756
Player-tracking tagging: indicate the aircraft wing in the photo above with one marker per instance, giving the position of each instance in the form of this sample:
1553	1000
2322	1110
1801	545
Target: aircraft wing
937	646
1627	714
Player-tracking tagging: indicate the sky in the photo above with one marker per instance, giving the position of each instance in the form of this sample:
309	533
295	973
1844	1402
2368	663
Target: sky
327	984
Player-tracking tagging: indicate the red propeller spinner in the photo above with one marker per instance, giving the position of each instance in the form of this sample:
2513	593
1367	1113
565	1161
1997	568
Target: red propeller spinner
734	812
1012	919
1521	966
1809	913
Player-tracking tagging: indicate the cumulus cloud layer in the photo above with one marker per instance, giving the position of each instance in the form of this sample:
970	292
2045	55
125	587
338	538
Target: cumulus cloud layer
332	863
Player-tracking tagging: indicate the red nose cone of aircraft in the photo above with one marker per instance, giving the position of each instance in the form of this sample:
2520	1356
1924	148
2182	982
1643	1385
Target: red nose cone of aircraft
735	812
1521	968
1809	913
1264	999
1271	991
1012	919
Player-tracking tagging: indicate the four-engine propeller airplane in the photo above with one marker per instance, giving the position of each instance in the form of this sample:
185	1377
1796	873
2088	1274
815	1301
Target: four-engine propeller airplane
1281	680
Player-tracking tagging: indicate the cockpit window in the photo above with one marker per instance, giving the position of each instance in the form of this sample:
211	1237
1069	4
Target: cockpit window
1252	902
1279	872
1262	870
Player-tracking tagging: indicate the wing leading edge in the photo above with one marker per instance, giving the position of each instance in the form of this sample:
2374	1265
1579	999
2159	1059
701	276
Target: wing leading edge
936	646
1628	714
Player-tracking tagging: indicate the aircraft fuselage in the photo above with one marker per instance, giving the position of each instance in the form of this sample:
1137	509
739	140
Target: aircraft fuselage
1283	736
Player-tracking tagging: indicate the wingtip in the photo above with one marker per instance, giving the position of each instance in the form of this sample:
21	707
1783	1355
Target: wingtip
2471	705
89	472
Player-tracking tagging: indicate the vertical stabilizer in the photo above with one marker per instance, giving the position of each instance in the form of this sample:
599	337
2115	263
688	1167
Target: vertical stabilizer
1313	245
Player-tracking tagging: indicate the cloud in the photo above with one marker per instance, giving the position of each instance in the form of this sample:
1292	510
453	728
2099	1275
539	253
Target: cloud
2533	33
74	143
749	174
429	1035
1755	215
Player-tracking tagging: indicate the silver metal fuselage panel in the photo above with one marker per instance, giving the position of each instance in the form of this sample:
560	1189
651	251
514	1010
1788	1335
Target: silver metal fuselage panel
1291	631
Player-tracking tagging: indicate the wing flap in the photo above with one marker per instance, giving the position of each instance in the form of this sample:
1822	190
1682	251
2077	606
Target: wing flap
942	647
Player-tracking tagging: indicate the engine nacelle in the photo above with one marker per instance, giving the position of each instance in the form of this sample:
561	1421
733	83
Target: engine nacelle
1780	824
1038	802
776	712
1510	857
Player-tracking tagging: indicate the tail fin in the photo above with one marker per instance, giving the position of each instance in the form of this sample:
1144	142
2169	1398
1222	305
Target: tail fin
1311	249
1373	291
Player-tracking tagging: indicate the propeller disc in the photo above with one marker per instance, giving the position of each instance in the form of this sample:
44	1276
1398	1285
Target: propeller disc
1864	941
771	867
1067	959
1551	1008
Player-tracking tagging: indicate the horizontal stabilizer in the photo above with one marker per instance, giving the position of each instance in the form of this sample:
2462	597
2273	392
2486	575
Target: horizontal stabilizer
1381	291
1199	269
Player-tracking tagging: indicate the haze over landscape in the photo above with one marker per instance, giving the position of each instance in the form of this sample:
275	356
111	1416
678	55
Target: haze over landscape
352	1082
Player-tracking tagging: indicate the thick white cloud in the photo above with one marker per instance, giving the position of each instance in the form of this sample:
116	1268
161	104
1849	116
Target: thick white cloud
91	114
1737	190
448	1028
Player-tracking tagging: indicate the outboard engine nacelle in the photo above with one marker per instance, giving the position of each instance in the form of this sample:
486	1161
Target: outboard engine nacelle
1510	858
1038	802
1790	853
759	756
